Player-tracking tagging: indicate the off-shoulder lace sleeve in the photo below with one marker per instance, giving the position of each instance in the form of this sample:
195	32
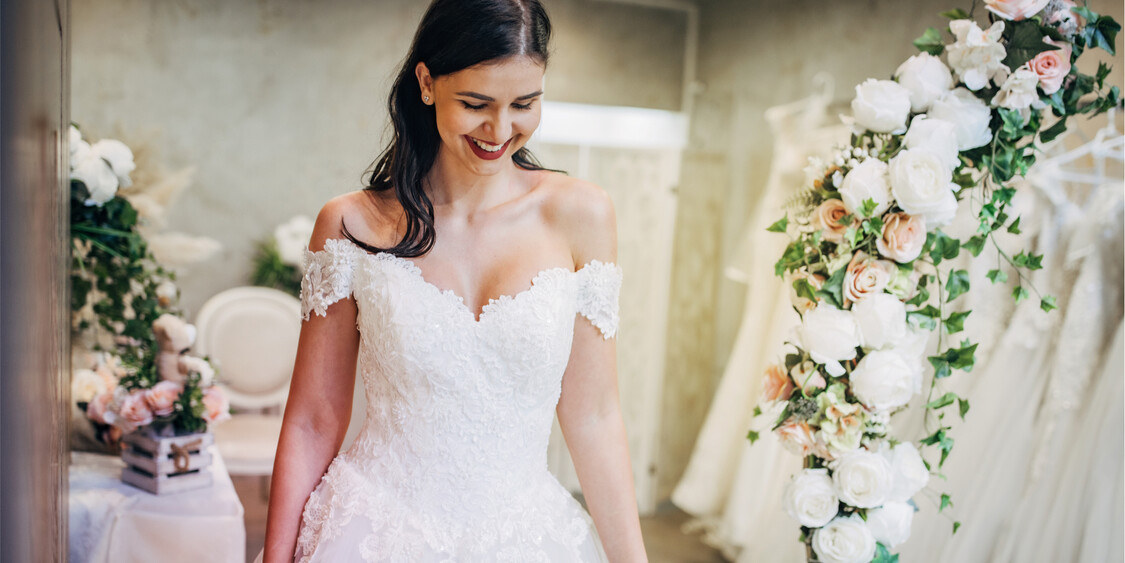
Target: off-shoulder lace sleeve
328	276
599	287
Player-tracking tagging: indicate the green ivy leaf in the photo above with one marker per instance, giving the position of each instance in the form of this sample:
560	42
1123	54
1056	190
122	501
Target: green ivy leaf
943	401
930	42
997	276
1047	303
924	318
1019	293
833	288
957	284
974	245
752	436
1049	134
867	207
942	246
1025	41
956	14
963	407
956	526
757	410
955	322
945	502
780	225
1030	261
883	555
1014	227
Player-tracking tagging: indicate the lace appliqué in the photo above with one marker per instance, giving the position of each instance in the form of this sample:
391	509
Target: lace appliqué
328	276
599	290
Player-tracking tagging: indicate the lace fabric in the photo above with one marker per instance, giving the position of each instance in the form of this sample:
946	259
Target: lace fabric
451	463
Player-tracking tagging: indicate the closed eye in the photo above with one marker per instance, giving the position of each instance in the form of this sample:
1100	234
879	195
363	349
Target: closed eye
471	106
526	106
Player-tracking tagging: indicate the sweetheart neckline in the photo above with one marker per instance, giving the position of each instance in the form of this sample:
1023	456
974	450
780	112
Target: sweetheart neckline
487	308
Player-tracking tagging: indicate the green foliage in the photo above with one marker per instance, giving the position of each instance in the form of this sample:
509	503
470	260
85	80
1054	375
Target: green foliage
962	358
780	225
955	322
883	555
930	42
1024	41
271	271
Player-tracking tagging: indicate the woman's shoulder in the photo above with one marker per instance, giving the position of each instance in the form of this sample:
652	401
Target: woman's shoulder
361	212
584	212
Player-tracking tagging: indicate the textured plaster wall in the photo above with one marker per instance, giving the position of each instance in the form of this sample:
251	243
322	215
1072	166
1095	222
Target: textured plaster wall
280	103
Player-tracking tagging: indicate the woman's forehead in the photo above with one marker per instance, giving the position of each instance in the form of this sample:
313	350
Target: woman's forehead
512	76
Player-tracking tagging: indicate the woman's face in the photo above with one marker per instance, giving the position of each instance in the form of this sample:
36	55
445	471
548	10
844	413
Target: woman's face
485	113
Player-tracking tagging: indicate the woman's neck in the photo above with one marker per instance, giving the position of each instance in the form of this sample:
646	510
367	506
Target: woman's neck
463	192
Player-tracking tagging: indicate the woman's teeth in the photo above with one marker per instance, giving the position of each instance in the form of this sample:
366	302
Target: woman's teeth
486	146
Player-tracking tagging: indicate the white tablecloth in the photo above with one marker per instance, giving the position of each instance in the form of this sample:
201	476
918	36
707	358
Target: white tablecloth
111	521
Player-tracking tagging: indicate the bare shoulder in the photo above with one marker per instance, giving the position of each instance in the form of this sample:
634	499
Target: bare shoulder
584	212
359	211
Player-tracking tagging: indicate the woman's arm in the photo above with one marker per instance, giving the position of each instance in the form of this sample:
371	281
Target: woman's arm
318	409
589	408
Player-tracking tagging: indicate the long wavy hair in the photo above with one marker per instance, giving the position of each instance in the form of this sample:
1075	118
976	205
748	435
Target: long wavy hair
453	35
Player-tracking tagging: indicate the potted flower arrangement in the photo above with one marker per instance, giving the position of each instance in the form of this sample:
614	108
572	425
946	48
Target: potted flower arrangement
868	261
143	393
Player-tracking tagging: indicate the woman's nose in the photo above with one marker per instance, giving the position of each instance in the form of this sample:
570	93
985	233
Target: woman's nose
500	126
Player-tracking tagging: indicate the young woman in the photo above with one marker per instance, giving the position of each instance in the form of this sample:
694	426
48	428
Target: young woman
479	293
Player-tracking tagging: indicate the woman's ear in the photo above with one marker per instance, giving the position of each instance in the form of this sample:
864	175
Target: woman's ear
425	82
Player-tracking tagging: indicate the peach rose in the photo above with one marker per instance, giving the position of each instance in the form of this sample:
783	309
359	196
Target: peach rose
216	407
797	437
803	304
903	237
1015	9
162	397
1051	66
826	218
777	384
134	409
97	407
865	276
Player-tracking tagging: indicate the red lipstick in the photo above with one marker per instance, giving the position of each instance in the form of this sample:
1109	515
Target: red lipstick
483	154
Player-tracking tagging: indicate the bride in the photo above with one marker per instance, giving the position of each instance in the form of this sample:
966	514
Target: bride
479	293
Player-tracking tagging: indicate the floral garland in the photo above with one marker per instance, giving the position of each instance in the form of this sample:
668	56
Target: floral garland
124	302
865	261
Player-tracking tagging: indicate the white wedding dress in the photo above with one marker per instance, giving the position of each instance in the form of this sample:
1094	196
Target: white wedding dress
451	462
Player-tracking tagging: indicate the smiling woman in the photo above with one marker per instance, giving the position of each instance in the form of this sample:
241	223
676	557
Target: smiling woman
451	463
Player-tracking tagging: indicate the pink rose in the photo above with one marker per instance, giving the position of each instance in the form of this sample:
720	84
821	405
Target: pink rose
865	276
97	407
162	397
1015	9
134	409
826	218
803	304
903	237
216	407
796	437
1051	66
807	376
777	384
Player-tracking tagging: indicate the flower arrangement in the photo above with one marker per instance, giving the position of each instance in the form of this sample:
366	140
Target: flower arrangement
123	306
278	261
867	259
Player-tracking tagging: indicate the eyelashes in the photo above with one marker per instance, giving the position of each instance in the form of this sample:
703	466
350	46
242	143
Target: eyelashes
467	105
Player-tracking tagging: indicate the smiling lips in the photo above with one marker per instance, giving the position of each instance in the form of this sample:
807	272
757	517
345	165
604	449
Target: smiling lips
486	151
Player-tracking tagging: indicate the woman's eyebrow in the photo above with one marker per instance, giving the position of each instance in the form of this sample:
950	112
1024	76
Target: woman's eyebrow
491	99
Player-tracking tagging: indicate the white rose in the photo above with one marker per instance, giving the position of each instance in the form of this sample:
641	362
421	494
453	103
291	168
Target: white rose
99	179
830	335
866	181
926	77
85	384
922	185
969	115
890	523
1018	91
292	238
936	136
977	55
810	498
881	106
884	380
844	540
909	473
119	157
882	320
862	479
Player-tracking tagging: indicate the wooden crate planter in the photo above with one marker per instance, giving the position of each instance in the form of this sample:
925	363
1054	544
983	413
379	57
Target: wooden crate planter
166	464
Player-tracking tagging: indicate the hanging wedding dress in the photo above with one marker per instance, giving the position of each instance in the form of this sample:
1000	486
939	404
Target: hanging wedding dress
1006	467
451	462
731	488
